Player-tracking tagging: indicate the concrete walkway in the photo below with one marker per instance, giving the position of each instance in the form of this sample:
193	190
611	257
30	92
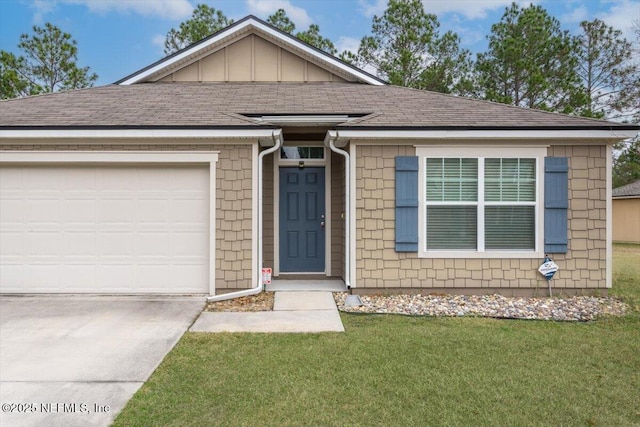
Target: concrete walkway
293	311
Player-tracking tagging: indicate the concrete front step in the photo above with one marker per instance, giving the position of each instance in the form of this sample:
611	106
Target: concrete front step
287	301
292	312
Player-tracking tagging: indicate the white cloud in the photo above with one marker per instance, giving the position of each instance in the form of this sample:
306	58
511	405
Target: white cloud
264	8
471	9
168	9
577	15
41	8
621	15
158	40
369	9
347	43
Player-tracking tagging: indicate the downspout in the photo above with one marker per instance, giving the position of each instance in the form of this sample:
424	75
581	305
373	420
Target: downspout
277	143
330	140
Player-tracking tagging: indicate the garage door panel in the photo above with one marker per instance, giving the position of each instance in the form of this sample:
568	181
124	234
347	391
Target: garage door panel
11	210
116	178
12	276
152	244
152	210
114	243
117	210
79	209
79	277
79	179
182	244
41	277
12	181
43	210
186	275
189	211
41	179
44	244
12	243
152	276
111	229
80	243
116	277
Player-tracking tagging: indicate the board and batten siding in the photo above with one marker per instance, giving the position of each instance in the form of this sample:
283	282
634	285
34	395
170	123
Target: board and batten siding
251	59
379	267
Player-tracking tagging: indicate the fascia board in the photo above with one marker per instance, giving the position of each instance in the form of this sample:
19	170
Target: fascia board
136	133
612	134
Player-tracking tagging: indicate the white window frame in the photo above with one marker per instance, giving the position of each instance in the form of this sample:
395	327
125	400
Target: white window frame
480	153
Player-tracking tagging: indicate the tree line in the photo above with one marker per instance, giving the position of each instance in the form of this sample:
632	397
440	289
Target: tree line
530	62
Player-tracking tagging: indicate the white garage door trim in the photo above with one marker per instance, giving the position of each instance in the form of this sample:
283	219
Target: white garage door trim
209	158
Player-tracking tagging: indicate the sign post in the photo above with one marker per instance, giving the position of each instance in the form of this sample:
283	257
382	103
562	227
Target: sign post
548	269
266	277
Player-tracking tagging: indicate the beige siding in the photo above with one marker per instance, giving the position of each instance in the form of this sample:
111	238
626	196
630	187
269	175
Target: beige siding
213	67
337	215
267	61
187	74
267	212
626	220
250	59
233	204
239	60
380	267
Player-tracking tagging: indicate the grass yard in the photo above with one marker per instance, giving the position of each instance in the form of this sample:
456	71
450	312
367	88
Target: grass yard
390	370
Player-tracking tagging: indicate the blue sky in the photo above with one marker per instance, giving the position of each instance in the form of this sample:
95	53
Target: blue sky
118	37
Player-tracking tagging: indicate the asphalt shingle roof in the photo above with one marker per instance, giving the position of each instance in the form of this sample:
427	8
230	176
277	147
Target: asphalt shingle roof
201	105
628	190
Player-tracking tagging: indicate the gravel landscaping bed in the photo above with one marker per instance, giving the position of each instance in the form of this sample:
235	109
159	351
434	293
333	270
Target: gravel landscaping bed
581	308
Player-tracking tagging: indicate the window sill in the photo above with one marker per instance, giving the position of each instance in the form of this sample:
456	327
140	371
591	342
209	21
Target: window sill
481	255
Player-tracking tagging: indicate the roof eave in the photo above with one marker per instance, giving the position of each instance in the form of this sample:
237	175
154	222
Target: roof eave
145	132
610	134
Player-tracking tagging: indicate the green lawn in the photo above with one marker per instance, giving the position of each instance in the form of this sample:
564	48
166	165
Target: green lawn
393	370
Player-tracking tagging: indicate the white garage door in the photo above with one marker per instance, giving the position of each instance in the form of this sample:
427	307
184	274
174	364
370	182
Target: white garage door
111	229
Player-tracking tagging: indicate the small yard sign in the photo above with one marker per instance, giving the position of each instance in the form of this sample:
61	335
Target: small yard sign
266	276
548	268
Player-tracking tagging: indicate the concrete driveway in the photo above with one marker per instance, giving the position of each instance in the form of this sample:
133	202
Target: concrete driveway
76	361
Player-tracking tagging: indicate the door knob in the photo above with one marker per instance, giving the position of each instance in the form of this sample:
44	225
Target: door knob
322	224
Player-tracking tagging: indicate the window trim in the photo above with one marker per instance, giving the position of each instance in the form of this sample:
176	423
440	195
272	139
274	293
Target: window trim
537	152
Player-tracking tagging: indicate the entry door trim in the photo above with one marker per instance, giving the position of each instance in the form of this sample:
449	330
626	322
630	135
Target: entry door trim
277	163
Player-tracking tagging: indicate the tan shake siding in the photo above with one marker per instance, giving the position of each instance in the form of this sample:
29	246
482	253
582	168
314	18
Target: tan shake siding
233	204
337	218
380	267
267	212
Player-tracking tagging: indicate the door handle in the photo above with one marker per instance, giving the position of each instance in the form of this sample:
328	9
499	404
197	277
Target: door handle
322	224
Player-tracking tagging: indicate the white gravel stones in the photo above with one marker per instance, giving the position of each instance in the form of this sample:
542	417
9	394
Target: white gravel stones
580	308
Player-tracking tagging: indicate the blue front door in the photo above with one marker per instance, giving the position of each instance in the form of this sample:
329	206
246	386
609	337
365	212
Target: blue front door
302	220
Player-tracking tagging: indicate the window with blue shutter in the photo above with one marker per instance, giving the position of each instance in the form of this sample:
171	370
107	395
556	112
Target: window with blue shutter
556	204
406	204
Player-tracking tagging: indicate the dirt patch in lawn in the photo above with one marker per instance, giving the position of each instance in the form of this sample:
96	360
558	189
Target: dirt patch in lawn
260	302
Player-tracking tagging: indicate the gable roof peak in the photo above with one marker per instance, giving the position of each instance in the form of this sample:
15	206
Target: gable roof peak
247	25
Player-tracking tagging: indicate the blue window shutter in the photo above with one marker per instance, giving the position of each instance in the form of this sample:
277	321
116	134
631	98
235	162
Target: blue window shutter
556	204
406	204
